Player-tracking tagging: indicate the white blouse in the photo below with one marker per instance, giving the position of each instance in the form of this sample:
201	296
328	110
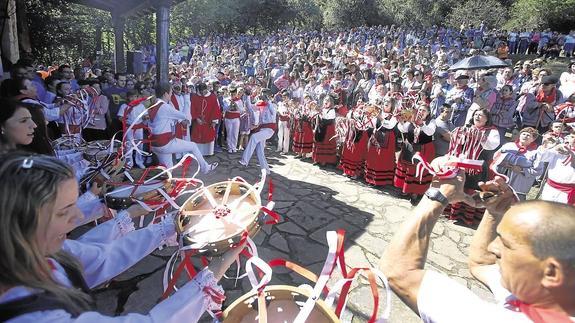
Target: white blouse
103	260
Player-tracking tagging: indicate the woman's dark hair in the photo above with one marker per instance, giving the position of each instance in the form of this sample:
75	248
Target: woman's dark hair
41	143
486	113
7	109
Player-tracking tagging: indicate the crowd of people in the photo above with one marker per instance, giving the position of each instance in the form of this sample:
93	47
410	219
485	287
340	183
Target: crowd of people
379	103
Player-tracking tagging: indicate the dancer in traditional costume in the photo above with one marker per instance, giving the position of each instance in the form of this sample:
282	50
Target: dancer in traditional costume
233	109
129	113
560	185
380	160
284	116
181	102
355	142
325	144
246	119
206	114
416	129
475	141
164	119
264	128
302	127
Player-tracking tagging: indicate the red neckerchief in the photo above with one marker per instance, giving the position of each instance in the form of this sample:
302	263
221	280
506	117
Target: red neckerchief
523	150
547	98
540	315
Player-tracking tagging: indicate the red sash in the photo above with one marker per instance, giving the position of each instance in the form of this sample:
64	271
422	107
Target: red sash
161	139
284	118
232	114
271	126
540	315
565	188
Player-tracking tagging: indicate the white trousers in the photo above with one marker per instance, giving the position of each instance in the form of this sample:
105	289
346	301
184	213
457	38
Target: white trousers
283	136
257	142
179	146
232	132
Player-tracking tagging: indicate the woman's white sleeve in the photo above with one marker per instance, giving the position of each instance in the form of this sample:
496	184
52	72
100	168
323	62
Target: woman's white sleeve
115	228
104	261
188	304
429	129
492	141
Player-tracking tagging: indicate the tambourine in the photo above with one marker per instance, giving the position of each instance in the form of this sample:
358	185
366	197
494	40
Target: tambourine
99	150
219	216
102	171
69	142
283	305
124	189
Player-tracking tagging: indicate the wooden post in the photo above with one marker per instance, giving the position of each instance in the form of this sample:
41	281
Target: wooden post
119	24
162	40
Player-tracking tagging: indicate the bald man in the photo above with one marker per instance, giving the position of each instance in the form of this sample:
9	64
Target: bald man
525	254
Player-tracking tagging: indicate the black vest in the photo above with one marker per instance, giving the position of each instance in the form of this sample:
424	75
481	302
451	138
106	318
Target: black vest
44	301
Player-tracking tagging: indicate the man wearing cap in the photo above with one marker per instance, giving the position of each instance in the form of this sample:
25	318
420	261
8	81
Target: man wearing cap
460	97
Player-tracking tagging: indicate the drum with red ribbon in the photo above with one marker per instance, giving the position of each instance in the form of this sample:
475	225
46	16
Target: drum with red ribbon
283	304
137	186
99	150
219	216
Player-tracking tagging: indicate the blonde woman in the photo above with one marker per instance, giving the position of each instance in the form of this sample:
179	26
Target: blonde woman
45	277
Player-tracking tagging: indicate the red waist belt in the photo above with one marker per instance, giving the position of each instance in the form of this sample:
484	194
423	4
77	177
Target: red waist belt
271	126
565	188
232	115
284	118
162	139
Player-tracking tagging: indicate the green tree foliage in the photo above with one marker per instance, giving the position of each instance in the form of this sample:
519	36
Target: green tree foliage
472	12
62	32
65	32
350	13
555	14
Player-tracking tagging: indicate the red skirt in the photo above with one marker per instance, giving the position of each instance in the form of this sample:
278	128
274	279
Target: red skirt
325	151
464	212
353	156
303	139
380	162
405	173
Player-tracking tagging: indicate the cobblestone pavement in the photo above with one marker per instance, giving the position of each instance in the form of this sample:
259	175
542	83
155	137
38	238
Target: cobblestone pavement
311	201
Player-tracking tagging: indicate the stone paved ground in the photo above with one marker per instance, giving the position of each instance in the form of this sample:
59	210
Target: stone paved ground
311	201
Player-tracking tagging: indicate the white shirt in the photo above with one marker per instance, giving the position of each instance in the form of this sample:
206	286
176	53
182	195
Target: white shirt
443	300
103	260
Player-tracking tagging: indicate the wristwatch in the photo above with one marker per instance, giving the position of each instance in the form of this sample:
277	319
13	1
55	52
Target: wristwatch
434	194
